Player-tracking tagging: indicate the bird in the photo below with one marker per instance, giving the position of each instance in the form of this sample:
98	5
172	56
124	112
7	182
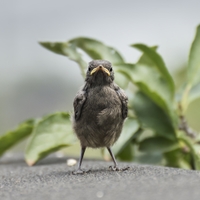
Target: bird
100	108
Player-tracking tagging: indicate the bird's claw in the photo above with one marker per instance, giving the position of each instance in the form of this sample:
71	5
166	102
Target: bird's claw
116	168
80	171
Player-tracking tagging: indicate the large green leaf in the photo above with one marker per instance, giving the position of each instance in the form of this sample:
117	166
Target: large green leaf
146	60
157	145
66	49
179	159
194	60
127	154
131	126
155	158
196	154
13	137
194	93
94	48
50	134
191	91
152	116
194	150
152	84
121	80
157	60
97	50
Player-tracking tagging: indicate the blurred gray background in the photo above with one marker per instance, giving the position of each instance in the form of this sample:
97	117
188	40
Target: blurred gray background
35	82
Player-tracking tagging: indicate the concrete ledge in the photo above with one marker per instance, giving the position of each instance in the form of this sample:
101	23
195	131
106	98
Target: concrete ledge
52	179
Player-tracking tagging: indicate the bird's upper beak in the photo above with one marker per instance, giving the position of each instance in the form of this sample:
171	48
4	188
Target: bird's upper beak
100	67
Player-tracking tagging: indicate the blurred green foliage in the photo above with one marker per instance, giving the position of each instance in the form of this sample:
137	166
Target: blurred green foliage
156	130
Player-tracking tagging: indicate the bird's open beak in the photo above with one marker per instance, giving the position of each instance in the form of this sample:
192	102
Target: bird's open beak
100	67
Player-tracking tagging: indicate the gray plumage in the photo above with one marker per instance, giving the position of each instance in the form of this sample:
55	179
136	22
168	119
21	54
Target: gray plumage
100	109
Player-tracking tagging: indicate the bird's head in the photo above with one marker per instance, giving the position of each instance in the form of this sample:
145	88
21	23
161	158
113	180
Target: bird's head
99	72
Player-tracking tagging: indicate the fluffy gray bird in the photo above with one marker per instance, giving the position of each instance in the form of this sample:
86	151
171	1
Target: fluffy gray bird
100	109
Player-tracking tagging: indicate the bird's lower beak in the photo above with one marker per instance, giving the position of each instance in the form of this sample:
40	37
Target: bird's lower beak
100	67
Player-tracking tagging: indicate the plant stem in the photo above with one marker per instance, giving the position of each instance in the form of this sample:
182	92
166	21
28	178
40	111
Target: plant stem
184	125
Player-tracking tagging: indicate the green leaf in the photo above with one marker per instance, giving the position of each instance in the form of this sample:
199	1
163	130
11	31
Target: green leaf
179	159
159	64
152	116
194	60
197	156
193	75
131	126
194	93
194	69
66	49
50	134
152	84
149	158
121	80
127	154
194	150
11	138
144	59
157	145
97	50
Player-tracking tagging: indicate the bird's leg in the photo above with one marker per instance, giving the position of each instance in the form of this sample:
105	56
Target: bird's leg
79	170
115	167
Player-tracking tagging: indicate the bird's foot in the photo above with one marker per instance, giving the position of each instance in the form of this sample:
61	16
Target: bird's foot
80	171
116	168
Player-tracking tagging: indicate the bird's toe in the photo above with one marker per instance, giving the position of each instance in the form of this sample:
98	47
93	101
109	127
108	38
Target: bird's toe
80	171
116	168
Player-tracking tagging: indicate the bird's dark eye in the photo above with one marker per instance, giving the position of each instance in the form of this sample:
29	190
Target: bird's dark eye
110	69
89	69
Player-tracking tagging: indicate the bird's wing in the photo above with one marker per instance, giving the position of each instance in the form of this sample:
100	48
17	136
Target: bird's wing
78	104
124	100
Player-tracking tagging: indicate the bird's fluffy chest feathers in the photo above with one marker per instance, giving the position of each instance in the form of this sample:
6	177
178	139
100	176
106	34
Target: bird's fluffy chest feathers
101	120
105	96
102	101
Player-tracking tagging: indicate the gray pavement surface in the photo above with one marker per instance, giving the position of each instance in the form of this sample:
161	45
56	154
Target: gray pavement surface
53	179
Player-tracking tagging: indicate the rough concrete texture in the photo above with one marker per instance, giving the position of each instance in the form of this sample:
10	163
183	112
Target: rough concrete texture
53	179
